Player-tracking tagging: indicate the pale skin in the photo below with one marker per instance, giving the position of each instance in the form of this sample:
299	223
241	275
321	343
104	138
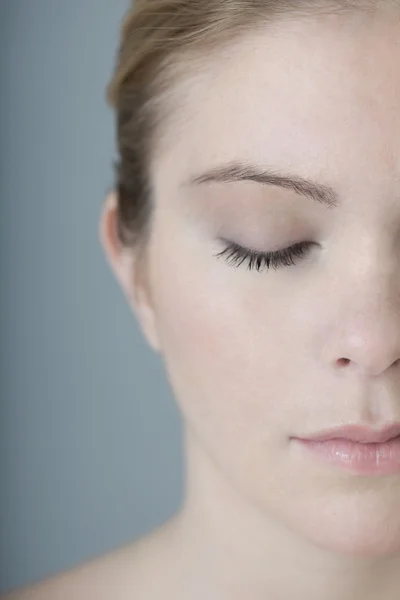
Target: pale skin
255	358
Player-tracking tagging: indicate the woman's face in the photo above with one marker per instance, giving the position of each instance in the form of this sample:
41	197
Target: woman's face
257	357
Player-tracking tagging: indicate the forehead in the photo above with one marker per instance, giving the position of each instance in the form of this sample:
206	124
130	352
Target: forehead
317	96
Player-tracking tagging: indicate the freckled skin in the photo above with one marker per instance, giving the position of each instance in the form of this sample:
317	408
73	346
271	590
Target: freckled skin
255	358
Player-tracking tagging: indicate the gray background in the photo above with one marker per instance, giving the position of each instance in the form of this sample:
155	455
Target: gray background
90	437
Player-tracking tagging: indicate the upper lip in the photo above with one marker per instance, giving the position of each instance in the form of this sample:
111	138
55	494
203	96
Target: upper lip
358	433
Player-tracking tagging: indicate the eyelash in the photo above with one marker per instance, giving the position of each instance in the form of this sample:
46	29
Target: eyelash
276	260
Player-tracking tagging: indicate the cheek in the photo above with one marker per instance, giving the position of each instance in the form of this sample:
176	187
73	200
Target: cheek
223	345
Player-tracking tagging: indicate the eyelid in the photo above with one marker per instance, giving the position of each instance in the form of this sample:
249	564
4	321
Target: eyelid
252	249
285	257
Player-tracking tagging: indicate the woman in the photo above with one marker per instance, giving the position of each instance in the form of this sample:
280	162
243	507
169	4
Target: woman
255	230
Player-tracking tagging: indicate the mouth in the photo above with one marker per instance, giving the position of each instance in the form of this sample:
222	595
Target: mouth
357	433
357	449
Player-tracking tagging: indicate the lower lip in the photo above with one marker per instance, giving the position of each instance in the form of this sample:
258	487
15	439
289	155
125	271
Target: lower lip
354	457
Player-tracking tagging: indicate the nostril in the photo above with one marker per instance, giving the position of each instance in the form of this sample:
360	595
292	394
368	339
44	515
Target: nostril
343	361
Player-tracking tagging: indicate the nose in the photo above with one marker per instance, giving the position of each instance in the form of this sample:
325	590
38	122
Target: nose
371	363
366	336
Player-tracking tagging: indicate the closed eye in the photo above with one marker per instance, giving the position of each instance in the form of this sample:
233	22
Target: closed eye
235	255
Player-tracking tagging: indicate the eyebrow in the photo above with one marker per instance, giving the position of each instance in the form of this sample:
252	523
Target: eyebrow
242	171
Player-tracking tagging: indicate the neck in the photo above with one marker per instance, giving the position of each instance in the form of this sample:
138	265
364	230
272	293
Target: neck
233	551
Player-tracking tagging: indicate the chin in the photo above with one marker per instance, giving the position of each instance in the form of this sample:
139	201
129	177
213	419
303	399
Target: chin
360	545
354	530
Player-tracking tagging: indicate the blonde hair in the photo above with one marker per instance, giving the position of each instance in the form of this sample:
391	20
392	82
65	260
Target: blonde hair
160	42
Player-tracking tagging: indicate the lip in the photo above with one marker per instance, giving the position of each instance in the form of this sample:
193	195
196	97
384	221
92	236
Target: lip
357	433
357	449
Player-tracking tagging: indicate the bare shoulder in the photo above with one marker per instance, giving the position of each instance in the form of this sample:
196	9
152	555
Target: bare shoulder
138	570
